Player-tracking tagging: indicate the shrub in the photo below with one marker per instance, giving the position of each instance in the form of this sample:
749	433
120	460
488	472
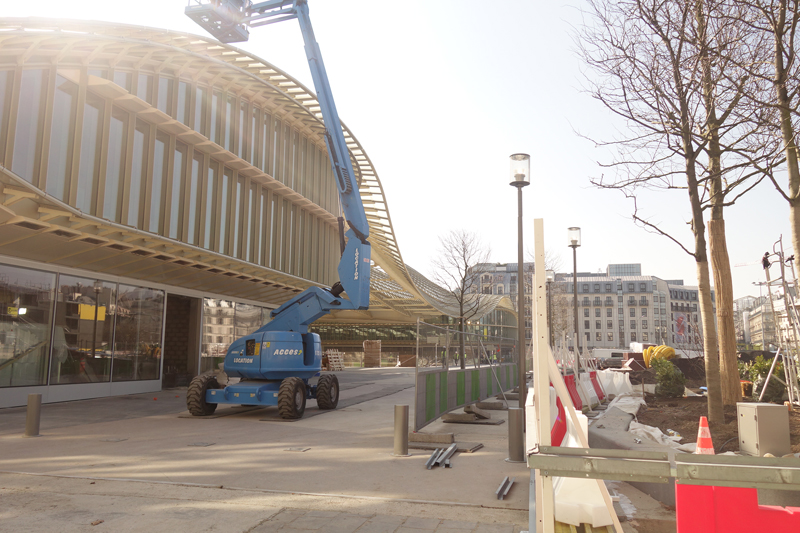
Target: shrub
670	381
758	375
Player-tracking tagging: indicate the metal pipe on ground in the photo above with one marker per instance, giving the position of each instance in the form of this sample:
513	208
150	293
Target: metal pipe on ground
33	415
400	431
515	435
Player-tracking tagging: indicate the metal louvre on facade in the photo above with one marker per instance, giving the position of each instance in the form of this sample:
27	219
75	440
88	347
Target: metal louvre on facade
172	158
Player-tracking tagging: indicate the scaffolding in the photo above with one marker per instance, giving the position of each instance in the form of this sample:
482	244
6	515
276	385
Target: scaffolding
786	320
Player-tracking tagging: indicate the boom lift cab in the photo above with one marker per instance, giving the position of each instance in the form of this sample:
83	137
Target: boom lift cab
277	363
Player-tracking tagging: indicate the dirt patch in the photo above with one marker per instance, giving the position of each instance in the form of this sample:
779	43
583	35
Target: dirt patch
683	415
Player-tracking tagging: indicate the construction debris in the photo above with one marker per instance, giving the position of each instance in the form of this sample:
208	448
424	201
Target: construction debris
459	417
504	487
477	411
492	406
441	457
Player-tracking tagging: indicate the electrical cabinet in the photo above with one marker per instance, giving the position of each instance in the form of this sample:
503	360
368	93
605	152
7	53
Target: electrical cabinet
763	428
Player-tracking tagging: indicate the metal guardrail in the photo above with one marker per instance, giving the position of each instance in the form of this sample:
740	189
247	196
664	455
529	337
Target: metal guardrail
659	467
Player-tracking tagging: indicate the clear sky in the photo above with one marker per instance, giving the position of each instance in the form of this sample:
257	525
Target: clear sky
441	92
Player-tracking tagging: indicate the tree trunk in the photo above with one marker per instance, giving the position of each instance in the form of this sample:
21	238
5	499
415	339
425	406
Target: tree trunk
713	384
462	352
723	285
720	263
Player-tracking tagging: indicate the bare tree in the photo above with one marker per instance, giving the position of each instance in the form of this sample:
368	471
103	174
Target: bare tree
775	85
457	269
648	74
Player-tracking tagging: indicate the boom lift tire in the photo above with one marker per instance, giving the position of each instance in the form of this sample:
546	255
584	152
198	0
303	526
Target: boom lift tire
328	392
196	395
292	398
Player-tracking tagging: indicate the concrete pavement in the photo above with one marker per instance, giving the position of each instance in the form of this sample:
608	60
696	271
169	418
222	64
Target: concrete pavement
135	463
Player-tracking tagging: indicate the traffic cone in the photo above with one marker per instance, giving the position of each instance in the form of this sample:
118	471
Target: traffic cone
704	444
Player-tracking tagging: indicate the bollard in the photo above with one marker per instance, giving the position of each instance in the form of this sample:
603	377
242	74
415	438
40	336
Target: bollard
515	439
33	415
400	431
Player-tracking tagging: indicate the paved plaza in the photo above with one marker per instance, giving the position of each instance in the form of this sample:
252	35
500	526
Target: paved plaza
139	463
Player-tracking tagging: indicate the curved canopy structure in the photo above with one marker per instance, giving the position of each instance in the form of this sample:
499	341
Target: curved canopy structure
186	243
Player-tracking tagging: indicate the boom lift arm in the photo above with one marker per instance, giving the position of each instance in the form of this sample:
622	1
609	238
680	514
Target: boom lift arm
228	21
277	361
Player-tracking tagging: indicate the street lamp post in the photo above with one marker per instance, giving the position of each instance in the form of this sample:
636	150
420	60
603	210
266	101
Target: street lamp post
520	177
574	238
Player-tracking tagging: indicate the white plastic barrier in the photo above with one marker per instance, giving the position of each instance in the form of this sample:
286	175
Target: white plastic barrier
622	382
530	420
607	381
615	383
577	501
588	390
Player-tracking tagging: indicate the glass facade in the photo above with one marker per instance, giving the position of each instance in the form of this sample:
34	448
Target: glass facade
223	322
123	166
137	333
26	314
59	329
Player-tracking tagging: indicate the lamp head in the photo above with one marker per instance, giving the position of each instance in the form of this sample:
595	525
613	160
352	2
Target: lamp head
574	237
520	174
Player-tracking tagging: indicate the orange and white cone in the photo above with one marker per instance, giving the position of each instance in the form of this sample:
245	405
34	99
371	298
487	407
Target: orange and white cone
704	444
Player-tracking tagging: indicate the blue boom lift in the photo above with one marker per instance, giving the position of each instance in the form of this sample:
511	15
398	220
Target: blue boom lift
276	362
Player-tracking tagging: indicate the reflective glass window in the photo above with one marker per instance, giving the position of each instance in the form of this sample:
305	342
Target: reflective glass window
200	109
238	200
218	332
137	337
259	230
252	135
228	122
90	138
194	192
165	88
242	129
273	232
176	191
82	346
266	144
115	166
247	319
123	79
211	196
216	112
27	138
144	88
160	162
223	208
138	173
61	138
184	101
26	311
251	219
